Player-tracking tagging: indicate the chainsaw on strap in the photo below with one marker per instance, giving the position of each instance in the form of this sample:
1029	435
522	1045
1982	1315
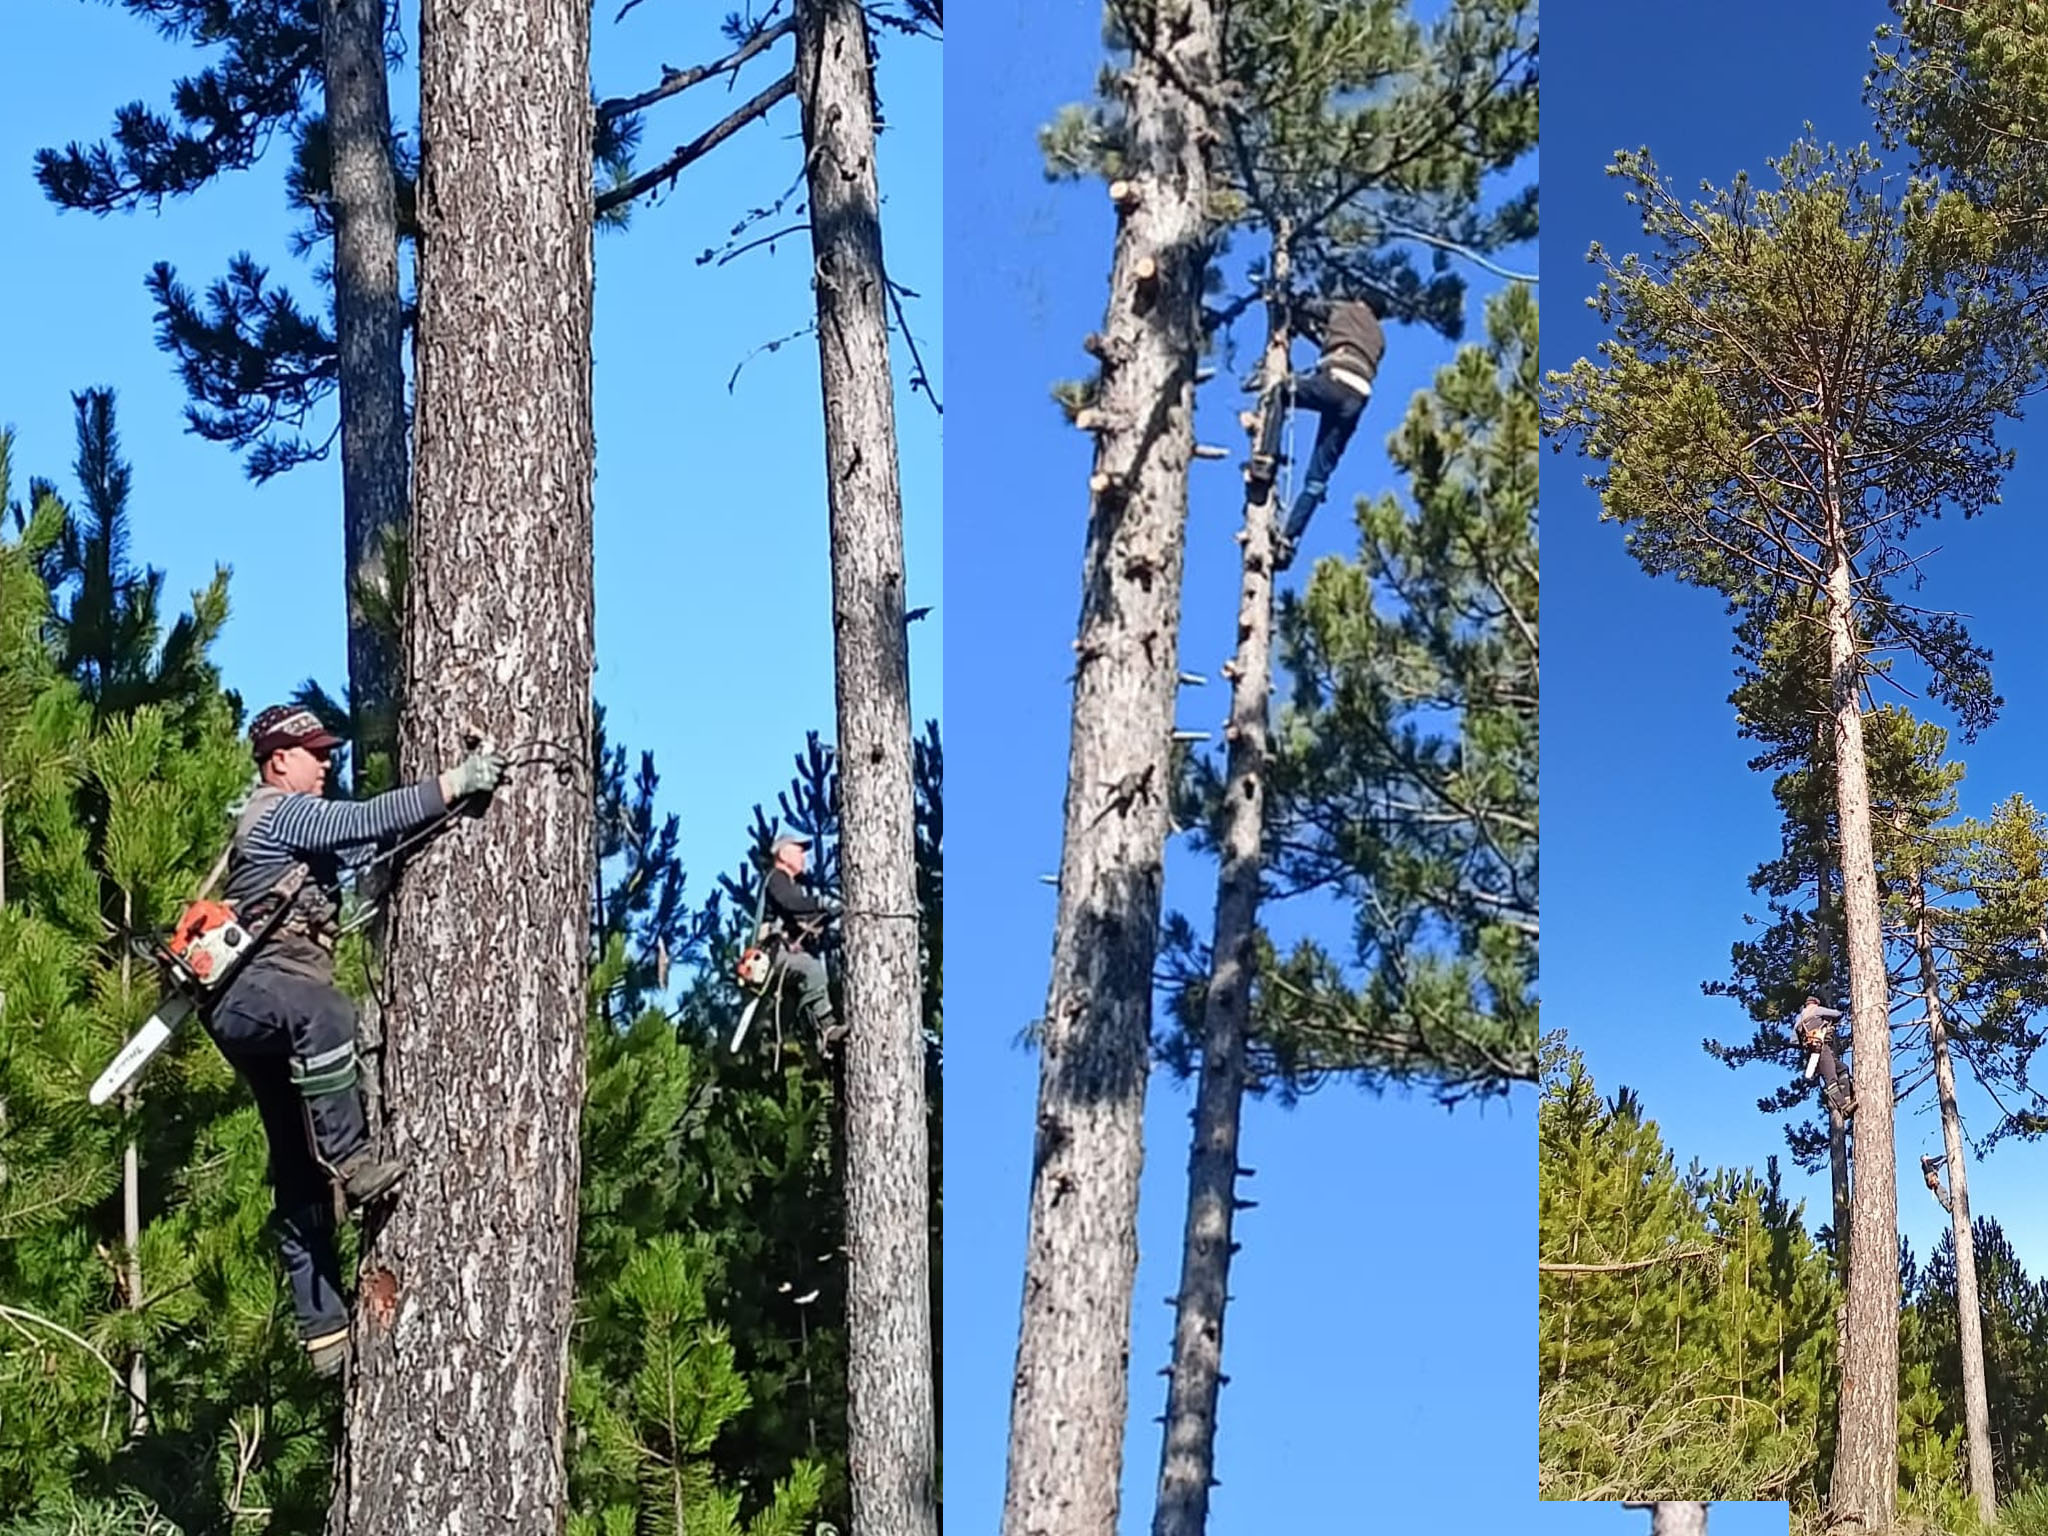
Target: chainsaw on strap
208	945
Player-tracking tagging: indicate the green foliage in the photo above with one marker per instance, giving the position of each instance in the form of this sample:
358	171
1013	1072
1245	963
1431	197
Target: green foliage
1404	771
1799	373
1699	1372
1356	133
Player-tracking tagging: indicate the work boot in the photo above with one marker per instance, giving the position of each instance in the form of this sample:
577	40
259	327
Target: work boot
1842	1099
829	1037
365	1178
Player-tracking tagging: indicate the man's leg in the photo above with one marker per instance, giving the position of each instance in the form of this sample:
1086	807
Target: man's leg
303	1214
1837	1091
1338	411
815	1000
320	1024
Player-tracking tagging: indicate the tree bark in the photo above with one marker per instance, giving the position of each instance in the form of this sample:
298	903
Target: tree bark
889	1331
1969	1319
1676	1518
455	1419
1187	1461
370	365
1864	1488
1071	1389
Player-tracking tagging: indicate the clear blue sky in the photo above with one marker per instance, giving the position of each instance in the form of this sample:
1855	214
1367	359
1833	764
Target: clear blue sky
1384	1304
1724	1518
714	635
1651	822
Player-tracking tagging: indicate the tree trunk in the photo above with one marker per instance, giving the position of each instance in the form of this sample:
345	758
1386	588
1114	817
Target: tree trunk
1071	1389
375	456
1865	1483
370	366
1969	1320
1187	1461
888	1302
1676	1518
455	1420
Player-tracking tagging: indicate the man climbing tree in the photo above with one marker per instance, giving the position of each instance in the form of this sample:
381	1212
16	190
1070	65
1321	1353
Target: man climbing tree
1336	389
801	917
282	1025
1818	1041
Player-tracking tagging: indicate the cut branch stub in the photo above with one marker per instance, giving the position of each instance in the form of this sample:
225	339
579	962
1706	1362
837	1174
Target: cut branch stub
1124	194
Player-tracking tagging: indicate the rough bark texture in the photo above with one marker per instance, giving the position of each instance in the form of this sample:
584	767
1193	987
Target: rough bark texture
889	1361
1071	1388
455	1418
1969	1320
1072	1385
1676	1518
1187	1460
1864	1488
368	335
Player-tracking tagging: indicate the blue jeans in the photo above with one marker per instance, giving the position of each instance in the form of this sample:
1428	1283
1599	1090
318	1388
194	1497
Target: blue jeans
1338	408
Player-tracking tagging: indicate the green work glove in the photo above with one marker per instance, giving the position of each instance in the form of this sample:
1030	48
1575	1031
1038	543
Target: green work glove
477	774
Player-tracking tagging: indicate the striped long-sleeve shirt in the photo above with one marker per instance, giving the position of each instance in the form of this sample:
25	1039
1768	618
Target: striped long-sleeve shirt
328	837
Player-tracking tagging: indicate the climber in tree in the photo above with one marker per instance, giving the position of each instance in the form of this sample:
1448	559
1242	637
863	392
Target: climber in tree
281	1023
1817	1038
1336	389
800	916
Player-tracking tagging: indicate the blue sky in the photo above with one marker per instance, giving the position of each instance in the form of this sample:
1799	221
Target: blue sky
1651	822
714	634
1723	1519
1384	1305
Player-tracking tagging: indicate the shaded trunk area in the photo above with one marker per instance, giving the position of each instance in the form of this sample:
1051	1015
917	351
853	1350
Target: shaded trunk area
887	1160
369	360
455	1417
1187	1462
1071	1389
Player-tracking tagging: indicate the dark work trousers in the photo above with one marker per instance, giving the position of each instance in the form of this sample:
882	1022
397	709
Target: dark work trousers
267	1020
1830	1068
1337	407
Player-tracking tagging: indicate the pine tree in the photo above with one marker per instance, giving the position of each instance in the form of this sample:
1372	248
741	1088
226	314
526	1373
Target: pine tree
1685	1320
462	1348
138	1229
1071	1386
1798	378
892	1434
